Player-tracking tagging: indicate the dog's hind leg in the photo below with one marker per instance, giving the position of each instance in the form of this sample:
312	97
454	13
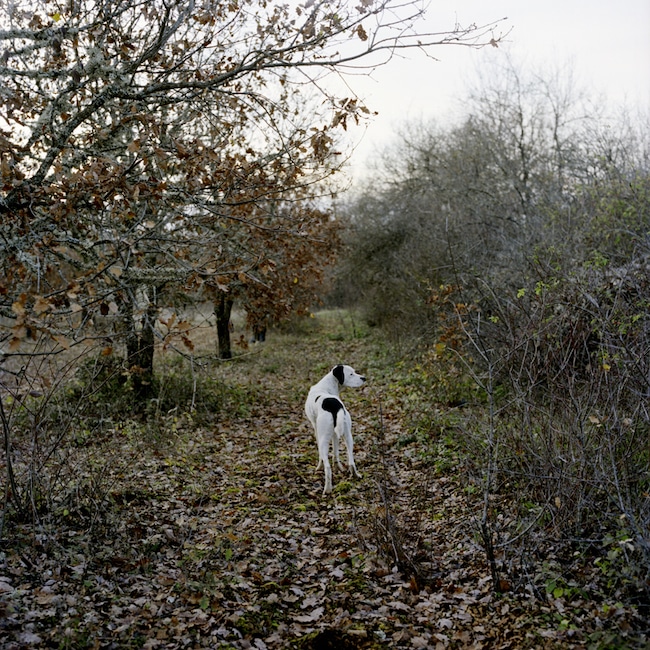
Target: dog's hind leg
328	474
324	438
335	448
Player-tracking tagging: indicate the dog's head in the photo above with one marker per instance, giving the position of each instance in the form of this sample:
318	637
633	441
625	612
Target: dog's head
348	376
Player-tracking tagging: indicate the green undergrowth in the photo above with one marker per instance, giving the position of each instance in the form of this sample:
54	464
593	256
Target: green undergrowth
103	388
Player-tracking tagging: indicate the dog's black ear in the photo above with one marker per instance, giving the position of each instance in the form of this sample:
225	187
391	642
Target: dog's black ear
337	371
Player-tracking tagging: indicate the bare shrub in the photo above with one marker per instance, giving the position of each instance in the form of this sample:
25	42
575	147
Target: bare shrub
565	367
71	427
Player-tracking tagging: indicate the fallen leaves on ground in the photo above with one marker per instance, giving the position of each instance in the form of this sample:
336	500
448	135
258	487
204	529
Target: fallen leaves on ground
219	537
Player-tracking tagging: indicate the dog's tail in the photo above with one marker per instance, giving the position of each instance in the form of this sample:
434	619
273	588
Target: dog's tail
340	426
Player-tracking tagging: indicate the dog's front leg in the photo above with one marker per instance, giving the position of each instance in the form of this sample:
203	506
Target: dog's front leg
353	470
349	445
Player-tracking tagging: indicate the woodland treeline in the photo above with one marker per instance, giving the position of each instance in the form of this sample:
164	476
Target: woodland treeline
157	156
514	246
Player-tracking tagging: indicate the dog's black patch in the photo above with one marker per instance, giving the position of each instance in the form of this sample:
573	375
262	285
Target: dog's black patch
338	372
333	406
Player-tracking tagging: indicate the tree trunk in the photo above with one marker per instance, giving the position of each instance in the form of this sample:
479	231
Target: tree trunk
222	309
140	349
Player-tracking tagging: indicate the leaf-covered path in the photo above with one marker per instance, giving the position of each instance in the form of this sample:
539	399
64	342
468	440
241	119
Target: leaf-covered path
218	536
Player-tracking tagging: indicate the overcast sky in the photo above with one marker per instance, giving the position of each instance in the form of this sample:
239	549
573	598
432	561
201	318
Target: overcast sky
605	42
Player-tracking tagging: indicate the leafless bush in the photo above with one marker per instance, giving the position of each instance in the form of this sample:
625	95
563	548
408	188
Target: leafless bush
70	424
53	459
566	368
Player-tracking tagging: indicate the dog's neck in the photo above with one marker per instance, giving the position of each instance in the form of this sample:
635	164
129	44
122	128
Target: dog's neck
329	384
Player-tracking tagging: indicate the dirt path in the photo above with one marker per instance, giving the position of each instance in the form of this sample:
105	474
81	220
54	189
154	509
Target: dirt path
219	537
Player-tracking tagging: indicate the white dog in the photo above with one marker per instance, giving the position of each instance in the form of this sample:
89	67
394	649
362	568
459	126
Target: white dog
330	418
